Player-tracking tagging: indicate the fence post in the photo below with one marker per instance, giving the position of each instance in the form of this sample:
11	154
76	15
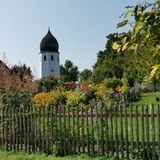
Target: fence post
69	134
121	133
101	127
147	131
126	133
116	130
158	123
64	127
143	135
87	130
106	126
97	130
153	132
78	131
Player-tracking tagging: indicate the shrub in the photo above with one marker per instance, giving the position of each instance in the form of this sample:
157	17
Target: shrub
42	99
112	82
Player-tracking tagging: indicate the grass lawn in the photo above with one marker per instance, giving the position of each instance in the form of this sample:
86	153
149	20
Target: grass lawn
148	98
23	156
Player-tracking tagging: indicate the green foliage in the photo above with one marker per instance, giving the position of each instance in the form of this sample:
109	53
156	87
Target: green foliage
46	84
69	72
144	28
16	99
143	37
155	73
109	62
85	76
112	82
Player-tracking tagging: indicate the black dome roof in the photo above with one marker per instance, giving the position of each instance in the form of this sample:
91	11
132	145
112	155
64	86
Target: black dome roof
49	43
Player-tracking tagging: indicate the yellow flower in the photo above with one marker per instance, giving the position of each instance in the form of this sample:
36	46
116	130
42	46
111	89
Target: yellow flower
42	99
74	98
102	91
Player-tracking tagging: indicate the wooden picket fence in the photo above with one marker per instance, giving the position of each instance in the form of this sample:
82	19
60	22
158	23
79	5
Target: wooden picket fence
95	130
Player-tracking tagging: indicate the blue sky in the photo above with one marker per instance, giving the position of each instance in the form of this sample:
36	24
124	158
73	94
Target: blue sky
80	26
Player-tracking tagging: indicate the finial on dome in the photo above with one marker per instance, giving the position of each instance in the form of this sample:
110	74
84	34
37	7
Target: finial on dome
48	28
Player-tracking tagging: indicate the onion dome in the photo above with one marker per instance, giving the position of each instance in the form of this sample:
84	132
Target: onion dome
49	43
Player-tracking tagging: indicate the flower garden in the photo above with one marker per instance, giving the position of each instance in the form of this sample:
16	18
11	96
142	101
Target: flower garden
76	94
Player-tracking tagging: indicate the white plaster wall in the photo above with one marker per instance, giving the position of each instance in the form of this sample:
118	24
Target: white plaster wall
49	67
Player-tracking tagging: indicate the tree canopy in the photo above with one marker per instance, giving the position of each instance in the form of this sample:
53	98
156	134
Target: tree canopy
69	72
144	36
85	75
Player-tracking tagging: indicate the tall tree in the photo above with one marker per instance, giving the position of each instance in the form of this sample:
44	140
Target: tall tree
109	62
69	72
85	75
145	31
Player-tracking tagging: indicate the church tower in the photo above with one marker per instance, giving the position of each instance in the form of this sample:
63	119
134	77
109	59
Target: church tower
49	56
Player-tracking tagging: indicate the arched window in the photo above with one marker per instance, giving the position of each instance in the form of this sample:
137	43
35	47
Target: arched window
44	58
52	57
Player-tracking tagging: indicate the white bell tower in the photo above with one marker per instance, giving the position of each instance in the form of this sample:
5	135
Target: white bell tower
49	56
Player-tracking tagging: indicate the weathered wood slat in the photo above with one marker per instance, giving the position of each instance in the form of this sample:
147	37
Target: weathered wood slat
116	132
153	132
47	128
147	131
121	133
35	129
126	133
25	129
52	128
131	130
101	129
142	130
73	131
39	130
28	130
137	128
97	132
78	131
64	127
60	129
92	132
106	130
158	123
20	128
10	129
69	132
56	127
43	129
111	133
17	127
7	129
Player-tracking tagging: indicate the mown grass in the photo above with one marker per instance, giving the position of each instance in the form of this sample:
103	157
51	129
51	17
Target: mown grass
23	156
148	98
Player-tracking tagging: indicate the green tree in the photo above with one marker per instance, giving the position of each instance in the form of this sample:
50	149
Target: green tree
145	29
46	84
109	63
85	75
69	72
